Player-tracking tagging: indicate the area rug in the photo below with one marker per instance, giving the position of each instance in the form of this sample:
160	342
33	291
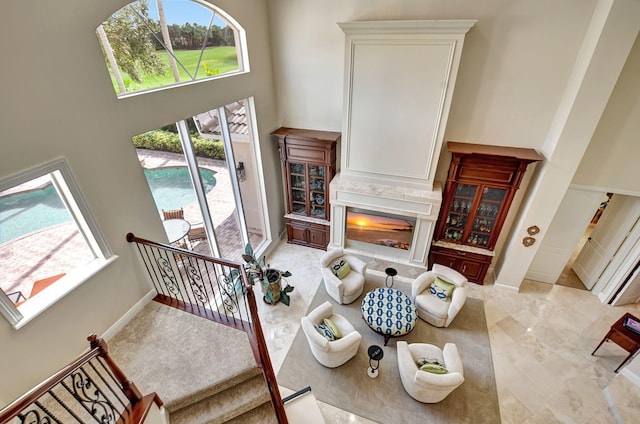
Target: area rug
383	399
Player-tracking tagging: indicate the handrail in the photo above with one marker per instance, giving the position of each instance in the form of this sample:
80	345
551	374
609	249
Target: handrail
183	279
98	349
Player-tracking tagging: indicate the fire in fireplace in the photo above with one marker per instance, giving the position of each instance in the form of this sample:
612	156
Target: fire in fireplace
380	228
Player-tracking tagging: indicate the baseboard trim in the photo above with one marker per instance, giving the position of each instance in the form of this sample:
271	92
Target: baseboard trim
506	287
128	316
612	406
632	376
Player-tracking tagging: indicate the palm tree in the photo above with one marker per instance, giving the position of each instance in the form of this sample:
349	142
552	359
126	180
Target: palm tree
167	41
108	51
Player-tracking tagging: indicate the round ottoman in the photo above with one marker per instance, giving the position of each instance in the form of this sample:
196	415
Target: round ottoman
389	312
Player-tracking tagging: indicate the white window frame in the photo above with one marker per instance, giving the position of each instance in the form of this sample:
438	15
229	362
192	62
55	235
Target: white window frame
240	40
76	204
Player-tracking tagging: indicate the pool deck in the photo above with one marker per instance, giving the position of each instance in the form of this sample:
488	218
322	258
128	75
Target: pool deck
18	273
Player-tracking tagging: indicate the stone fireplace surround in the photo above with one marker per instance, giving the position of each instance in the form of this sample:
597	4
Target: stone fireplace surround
421	204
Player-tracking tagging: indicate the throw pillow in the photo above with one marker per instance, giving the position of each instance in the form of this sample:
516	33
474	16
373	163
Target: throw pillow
331	326
326	332
340	268
434	369
423	361
441	288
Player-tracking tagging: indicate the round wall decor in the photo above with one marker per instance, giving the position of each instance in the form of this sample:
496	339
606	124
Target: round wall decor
533	230
528	241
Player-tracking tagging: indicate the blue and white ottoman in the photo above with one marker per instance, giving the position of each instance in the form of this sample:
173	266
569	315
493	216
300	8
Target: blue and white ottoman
389	312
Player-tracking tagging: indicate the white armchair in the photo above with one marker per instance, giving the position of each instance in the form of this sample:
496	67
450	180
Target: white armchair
435	311
424	386
350	287
334	353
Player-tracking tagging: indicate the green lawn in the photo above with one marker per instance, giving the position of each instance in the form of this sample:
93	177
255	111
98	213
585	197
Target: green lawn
217	59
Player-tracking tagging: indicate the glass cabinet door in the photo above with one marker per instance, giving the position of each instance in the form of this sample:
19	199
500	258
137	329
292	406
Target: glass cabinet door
317	191
298	188
486	215
459	211
308	189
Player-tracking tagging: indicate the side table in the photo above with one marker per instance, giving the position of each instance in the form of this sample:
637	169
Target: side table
391	272
623	337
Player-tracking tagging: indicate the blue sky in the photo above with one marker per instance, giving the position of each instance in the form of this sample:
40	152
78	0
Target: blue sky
183	11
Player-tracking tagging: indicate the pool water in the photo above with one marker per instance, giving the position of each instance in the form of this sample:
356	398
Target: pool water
172	188
23	213
29	211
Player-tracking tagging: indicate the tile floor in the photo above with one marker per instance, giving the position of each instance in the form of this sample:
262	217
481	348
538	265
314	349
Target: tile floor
541	341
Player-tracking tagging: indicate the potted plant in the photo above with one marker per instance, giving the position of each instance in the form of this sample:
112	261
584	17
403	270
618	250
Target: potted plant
270	278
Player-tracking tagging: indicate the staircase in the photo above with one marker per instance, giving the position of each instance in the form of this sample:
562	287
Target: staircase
197	349
199	344
204	372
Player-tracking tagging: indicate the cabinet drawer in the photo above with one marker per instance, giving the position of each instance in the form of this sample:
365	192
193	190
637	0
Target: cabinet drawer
307	154
488	170
622	341
469	255
446	260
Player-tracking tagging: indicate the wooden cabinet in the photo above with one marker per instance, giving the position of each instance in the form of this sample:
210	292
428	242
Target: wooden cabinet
308	165
307	233
474	266
480	187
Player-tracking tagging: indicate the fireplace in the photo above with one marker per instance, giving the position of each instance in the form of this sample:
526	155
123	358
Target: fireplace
392	134
407	217
379	228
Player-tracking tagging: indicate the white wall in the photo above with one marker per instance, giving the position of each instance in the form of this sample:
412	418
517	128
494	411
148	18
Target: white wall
515	62
616	141
57	100
515	66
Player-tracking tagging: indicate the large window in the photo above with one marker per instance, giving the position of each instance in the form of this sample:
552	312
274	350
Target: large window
156	43
205	178
49	242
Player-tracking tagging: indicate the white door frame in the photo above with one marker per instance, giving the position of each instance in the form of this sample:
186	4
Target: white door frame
622	263
607	237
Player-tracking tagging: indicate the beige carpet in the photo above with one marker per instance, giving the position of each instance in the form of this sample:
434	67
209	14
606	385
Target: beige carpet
383	399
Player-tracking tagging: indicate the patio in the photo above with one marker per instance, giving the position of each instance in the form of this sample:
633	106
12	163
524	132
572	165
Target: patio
17	256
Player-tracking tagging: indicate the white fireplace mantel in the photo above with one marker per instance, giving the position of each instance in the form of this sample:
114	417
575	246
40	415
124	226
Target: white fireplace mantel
399	81
423	205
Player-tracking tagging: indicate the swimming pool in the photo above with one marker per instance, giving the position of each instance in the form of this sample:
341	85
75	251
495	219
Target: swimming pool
25	212
22	213
172	188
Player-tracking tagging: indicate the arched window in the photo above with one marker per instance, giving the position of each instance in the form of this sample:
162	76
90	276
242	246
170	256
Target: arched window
158	43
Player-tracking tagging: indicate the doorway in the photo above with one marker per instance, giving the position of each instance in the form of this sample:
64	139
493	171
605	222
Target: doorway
568	277
590	243
608	245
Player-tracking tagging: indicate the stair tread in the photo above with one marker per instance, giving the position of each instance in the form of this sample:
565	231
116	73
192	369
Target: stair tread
177	355
264	414
225	405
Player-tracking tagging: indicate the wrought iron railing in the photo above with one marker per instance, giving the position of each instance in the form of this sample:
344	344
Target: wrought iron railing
212	288
91	389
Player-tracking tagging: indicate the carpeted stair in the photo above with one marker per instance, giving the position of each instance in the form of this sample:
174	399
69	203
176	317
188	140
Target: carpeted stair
203	371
